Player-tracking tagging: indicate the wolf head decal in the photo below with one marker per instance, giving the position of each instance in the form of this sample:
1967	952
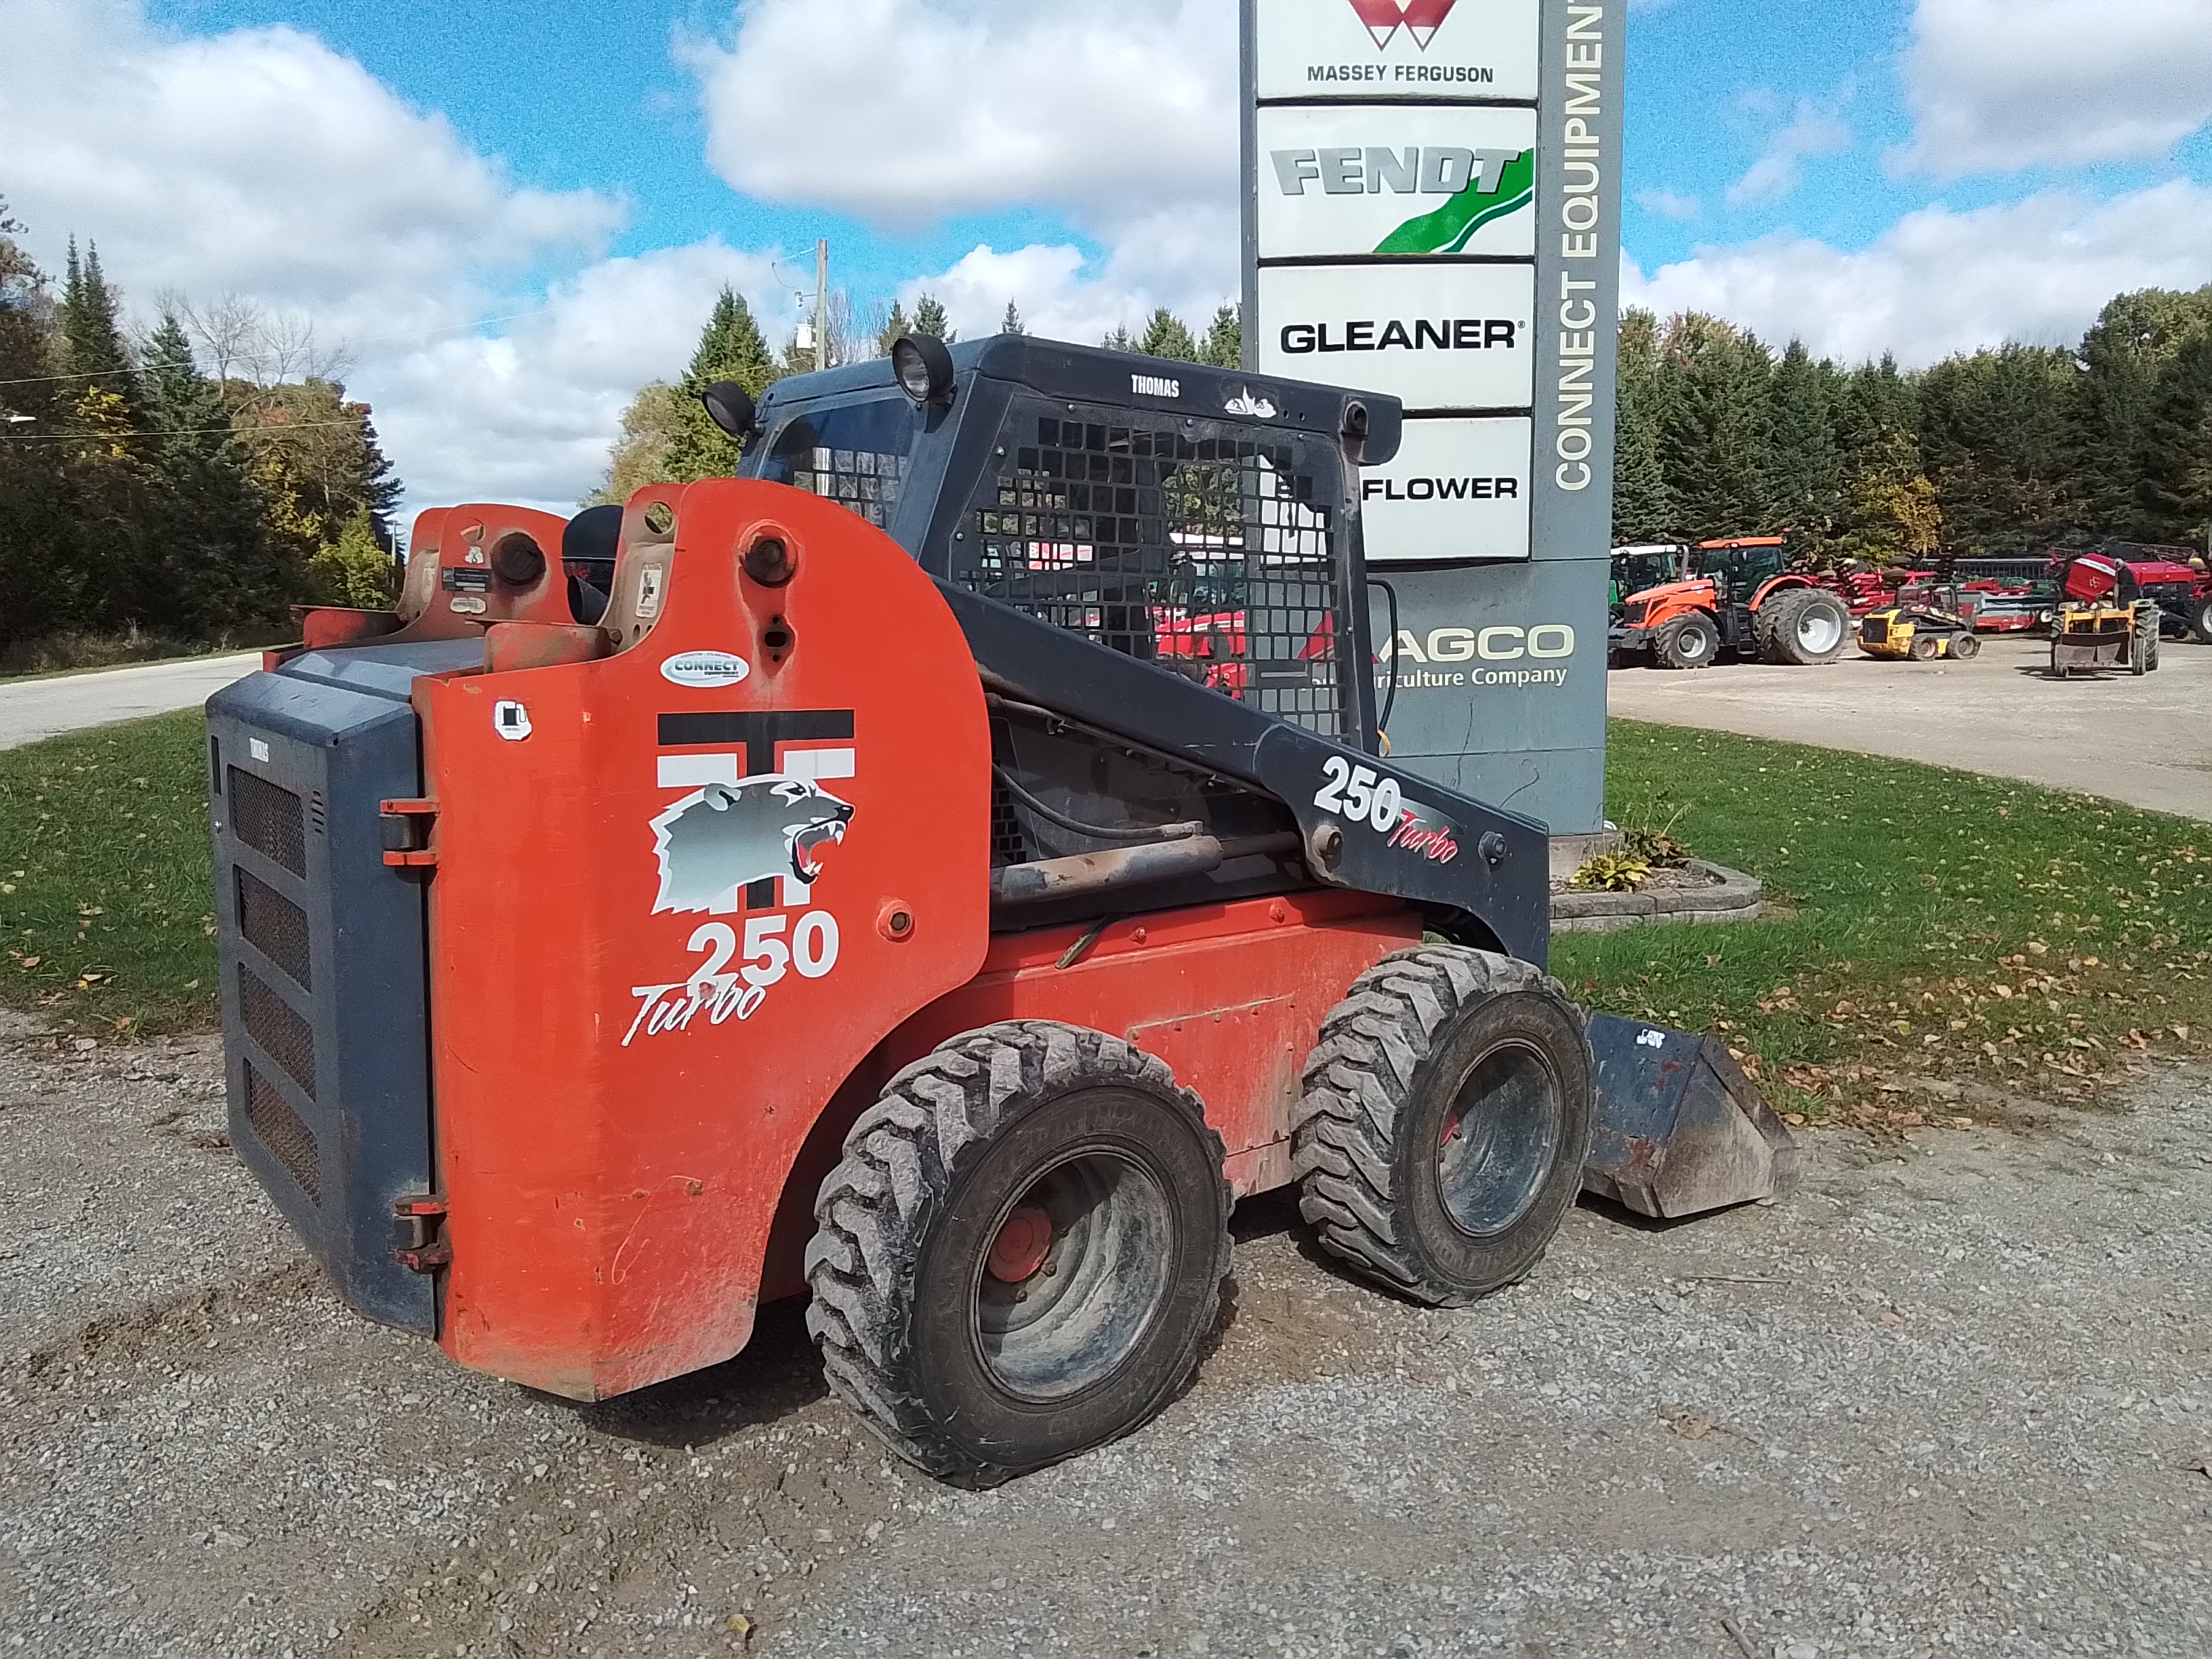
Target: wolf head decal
717	841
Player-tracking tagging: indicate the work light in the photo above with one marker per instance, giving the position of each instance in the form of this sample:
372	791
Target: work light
924	368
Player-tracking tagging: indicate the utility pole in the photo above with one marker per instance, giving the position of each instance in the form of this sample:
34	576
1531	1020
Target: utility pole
821	303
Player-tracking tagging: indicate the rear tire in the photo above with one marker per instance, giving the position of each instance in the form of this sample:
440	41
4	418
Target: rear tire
2200	620
1809	627
1688	642
1925	648
2140	654
1966	647
1022	1251
1445	1120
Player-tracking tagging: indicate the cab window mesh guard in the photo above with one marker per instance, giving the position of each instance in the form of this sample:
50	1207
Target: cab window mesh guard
1206	551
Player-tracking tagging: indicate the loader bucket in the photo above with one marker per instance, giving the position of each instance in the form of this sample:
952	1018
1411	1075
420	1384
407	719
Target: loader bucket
1680	1129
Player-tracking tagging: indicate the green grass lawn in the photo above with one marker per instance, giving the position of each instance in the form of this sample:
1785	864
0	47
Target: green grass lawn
1933	925
104	897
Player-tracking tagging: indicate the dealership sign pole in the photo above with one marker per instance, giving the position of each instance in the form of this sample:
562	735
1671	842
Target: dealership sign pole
1432	209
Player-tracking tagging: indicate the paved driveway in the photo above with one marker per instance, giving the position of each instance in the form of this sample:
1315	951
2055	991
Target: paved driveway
31	709
2146	742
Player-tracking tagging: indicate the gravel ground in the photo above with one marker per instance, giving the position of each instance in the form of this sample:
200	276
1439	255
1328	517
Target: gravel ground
1955	1397
2141	741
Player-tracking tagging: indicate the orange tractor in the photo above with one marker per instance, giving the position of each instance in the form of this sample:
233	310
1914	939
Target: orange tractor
860	908
1735	597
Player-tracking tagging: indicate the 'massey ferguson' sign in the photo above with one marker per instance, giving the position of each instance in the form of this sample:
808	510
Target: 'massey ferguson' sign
1433	335
1412	181
1371	50
1457	489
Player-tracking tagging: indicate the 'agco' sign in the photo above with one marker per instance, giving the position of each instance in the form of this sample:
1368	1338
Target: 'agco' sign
1546	643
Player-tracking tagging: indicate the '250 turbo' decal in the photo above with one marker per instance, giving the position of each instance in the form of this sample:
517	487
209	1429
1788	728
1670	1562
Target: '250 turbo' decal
1360	795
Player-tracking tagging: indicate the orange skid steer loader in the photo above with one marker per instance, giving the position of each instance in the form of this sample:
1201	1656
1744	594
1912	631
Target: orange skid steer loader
858	909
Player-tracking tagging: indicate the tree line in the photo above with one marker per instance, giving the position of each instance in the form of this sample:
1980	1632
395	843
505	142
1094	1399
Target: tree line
189	483
1993	452
666	437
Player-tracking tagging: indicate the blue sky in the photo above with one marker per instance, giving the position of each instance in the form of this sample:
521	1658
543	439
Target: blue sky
509	215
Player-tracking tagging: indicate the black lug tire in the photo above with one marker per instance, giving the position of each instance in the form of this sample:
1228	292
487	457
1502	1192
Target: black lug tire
1766	643
1791	610
906	1221
1379	1089
1925	648
1966	647
2139	654
1669	648
2200	620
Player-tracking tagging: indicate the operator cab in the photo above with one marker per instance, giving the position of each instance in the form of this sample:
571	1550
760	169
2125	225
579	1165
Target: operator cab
1195	518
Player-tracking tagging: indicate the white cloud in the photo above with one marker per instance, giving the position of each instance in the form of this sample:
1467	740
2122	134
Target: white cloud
261	162
1184	260
2000	85
1779	169
525	415
1669	204
905	111
1939	281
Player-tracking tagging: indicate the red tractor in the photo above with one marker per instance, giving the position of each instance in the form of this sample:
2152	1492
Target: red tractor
1737	599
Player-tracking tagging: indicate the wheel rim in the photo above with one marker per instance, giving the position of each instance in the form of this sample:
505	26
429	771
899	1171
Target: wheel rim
1077	1268
1499	1139
1689	644
1817	631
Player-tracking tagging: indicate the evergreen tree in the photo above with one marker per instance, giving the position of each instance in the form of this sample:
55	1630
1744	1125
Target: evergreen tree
2174	500
1012	322
210	569
43	584
730	349
2122	357
1805	479
1119	340
93	354
1642	507
1716	438
27	322
1994	438
1166	335
895	327
1224	345
929	319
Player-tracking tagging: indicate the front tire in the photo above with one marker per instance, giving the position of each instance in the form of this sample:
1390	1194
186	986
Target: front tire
2200	620
1445	1120
1022	1251
1688	642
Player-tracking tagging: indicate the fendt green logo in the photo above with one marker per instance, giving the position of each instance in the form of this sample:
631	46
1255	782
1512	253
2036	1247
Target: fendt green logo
1481	187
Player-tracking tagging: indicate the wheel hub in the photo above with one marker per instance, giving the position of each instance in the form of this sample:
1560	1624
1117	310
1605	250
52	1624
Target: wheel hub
1021	1247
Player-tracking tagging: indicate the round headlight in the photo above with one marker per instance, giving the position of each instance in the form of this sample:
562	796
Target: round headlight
924	367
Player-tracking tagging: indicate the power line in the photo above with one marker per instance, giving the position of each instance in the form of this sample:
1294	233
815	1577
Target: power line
178	432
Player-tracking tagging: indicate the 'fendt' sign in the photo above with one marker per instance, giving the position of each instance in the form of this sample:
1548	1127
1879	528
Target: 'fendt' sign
1420	182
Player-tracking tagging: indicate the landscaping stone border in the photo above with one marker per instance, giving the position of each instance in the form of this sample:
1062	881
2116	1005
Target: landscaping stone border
1736	898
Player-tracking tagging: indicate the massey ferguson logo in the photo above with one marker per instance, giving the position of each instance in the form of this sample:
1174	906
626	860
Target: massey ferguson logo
1419	18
